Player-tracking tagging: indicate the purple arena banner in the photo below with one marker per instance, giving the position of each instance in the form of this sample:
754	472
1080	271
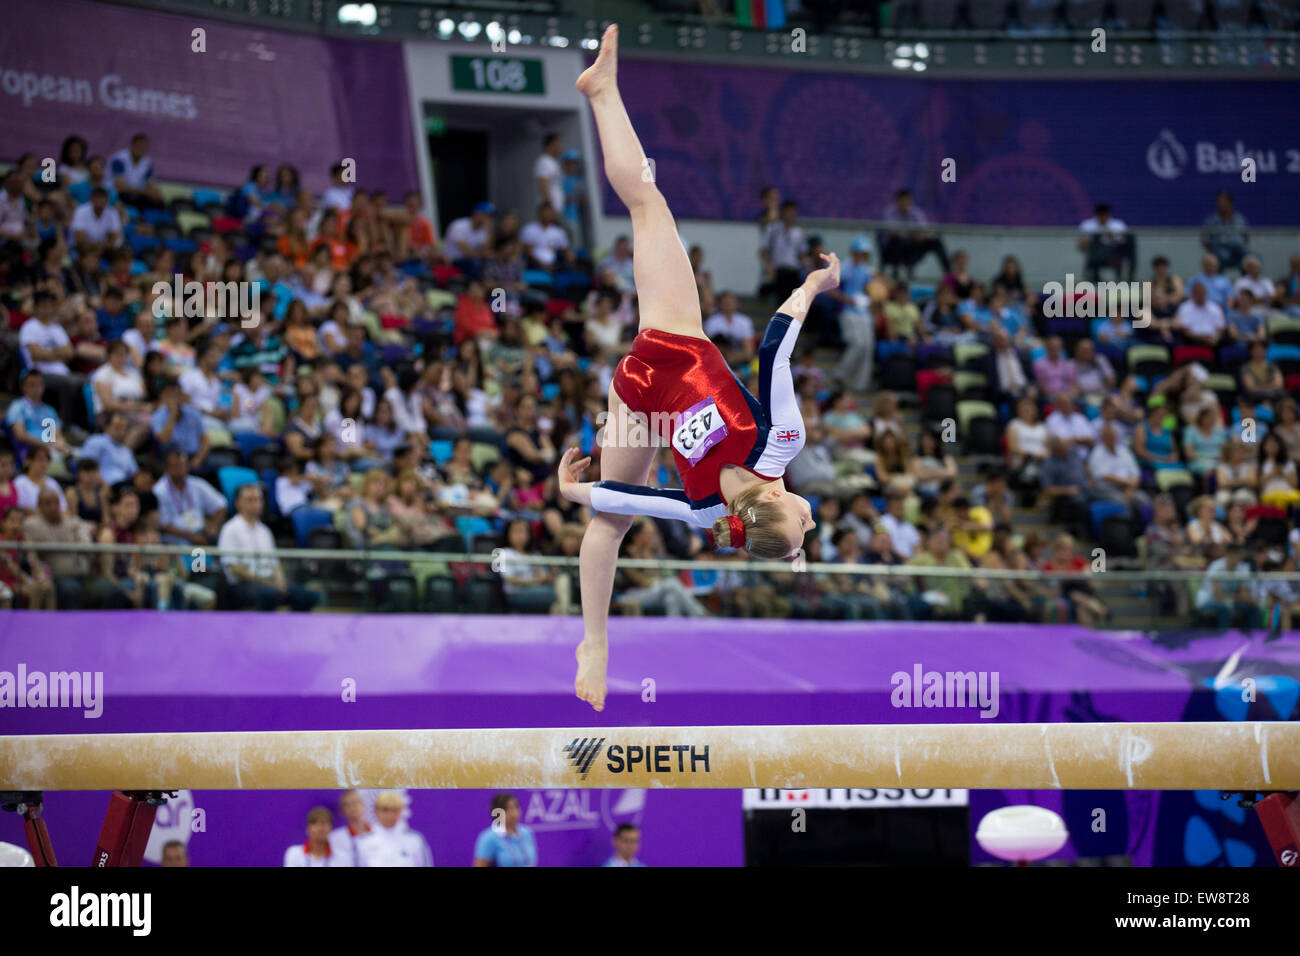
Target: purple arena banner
1023	153
250	97
227	671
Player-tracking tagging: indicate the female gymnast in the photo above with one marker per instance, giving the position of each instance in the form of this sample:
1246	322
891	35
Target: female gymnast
730	448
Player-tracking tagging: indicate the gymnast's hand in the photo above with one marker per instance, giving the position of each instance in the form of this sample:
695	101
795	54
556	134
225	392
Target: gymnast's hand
570	476
823	280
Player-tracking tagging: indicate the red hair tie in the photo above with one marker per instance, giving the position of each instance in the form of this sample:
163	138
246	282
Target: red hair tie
737	527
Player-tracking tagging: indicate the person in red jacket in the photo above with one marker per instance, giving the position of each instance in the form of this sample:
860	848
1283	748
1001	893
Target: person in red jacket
474	317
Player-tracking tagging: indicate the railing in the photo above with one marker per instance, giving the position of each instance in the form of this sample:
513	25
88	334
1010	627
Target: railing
383	580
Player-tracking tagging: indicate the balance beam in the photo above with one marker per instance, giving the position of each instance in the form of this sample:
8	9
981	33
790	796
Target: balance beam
1118	756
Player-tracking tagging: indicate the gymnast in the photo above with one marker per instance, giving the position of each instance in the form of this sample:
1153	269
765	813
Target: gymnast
730	448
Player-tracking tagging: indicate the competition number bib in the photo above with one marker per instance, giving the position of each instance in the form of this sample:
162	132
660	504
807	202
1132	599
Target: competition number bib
701	427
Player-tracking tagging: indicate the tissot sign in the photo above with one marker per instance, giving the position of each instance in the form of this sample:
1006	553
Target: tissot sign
852	798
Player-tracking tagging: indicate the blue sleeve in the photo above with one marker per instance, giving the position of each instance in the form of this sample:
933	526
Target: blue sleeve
485	846
616	497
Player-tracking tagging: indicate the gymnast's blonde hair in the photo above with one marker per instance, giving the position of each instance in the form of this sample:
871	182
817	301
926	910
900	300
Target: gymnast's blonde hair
762	519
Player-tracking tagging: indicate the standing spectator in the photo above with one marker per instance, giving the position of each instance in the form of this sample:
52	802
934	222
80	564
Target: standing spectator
76	585
317	851
132	172
343	840
576	209
782	249
1225	232
392	842
507	841
903	243
1107	244
857	324
257	582
548	174
626	841
189	509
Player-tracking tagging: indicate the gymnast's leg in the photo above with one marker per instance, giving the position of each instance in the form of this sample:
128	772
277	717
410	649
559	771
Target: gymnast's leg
666	293
620	460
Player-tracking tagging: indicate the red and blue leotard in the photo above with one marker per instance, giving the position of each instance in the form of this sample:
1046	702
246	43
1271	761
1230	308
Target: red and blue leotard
686	390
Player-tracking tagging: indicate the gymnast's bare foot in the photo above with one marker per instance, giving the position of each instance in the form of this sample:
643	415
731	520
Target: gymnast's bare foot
601	76
589	685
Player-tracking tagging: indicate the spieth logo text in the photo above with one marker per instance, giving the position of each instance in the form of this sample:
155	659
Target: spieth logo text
583	752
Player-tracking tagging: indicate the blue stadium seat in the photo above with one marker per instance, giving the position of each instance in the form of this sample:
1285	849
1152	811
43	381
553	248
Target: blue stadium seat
232	478
441	451
272	503
249	442
538	277
208	197
141	244
156	216
307	519
1099	511
471	527
181	245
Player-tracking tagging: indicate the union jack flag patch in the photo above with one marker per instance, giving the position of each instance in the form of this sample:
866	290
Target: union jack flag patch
788	434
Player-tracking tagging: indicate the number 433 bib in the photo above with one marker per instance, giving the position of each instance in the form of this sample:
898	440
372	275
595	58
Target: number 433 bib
700	428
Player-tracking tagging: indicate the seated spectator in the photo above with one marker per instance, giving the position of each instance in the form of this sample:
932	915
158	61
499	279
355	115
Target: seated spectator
1218	288
48	349
1153	444
8	493
1277	474
1118	330
1106	244
76	584
473	318
1026	445
903	536
330	476
1261	380
1055	372
118	388
189	509
1204	528
24	579
417	241
1094	375
96	226
1011	282
293	490
618	264
179	424
1287	428
416	513
1065	489
205	389
35	480
250	403
604	330
1113	470
972	528
369	523
893	462
931	465
113	457
887	416
1203	442
1237	476
1247	319
262	349
1000	599
949	598
131	170
1070	425
113	317
257	581
1110	415
530	587
902	317
1225	233
1008	375
1287	295
847	428
546	244
905	241
731	331
644	590
1199	320
1223	603
1240	528
1088	607
941	321
32	423
306	425
995	494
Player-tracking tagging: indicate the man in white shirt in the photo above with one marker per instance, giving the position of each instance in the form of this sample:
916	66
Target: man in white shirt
46	347
188	507
1114	470
258	581
782	250
1200	321
13	208
96	224
343	840
902	533
545	239
1106	244
1070	425
548	173
204	388
1259	285
469	239
732	331
339	194
131	171
109	450
392	843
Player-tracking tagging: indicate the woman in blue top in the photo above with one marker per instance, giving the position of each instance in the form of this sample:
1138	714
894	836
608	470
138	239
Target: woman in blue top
507	842
1153	444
